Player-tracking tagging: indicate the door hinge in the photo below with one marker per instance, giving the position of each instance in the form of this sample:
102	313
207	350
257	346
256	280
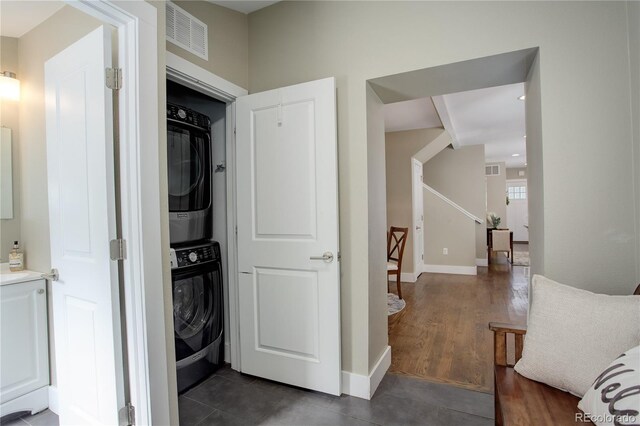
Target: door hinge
113	78
128	415
118	249
339	257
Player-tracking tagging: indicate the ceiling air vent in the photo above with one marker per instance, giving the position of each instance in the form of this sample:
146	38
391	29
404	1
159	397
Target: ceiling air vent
492	170
186	31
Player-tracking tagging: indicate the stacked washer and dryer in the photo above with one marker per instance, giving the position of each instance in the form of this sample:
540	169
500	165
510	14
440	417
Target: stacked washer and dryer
196	267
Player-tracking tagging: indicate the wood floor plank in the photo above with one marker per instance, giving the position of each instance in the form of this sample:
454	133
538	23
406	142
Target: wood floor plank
442	335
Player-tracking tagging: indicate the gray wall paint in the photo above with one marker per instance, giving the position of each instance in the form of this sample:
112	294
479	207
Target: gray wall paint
400	147
582	44
446	227
512	173
633	17
458	174
377	196
228	32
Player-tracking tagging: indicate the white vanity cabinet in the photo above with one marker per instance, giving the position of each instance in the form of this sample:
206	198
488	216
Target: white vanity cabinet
24	353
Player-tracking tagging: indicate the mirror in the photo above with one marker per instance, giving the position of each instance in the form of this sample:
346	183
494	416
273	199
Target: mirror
6	176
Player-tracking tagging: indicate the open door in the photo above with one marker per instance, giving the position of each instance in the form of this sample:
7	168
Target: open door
82	216
288	260
418	215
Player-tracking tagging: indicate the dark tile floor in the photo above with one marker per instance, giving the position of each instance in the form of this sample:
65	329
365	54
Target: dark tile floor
44	418
230	398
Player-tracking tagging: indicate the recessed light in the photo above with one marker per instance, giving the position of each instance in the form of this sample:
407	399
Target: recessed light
515	155
525	136
522	98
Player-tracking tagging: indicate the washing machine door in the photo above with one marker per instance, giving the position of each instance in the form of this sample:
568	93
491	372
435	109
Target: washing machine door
197	308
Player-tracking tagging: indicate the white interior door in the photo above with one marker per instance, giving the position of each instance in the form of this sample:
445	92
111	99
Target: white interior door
80	168
418	215
517	210
289	296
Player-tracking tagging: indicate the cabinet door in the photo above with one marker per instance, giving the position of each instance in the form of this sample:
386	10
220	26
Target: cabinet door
24	364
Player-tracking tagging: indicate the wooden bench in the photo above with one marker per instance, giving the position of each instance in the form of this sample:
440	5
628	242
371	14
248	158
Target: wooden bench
520	401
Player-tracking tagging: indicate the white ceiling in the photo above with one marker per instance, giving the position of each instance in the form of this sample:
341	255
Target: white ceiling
18	17
245	7
493	117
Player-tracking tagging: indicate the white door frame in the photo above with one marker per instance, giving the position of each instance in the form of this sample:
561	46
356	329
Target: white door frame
203	81
418	243
137	24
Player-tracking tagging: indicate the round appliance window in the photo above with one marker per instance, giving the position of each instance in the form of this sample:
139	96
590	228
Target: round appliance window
191	307
185	167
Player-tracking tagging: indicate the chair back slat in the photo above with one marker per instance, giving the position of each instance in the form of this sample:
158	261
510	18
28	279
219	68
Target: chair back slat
396	242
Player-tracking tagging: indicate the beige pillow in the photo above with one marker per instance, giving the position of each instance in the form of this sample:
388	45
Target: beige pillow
574	334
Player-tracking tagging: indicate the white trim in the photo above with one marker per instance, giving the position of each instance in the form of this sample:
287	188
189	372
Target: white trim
417	207
453	204
440	104
203	81
195	77
34	402
409	277
365	386
451	269
482	261
54	402
144	271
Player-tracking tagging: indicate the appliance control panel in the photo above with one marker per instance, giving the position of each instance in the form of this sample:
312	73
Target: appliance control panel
186	115
194	255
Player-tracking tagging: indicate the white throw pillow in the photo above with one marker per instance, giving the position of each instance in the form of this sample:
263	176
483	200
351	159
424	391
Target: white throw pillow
615	394
573	334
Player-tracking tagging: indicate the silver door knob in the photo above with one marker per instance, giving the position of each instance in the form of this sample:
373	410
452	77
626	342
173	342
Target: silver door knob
327	256
52	276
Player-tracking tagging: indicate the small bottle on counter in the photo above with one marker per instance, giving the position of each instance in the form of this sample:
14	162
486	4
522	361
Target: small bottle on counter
16	258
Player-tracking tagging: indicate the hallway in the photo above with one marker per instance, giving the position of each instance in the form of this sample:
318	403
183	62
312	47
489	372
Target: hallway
442	335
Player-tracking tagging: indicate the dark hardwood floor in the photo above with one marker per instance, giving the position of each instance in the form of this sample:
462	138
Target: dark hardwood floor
442	335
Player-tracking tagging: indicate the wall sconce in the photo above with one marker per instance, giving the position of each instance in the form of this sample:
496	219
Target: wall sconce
9	86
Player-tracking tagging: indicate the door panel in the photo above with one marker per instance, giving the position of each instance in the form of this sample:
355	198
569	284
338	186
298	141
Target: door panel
80	169
288	213
517	210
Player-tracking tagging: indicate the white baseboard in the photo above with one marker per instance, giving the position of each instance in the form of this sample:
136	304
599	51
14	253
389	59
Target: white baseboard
365	386
452	269
482	261
54	402
409	277
33	402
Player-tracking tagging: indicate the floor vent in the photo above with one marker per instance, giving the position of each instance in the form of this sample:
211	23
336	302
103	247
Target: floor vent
186	31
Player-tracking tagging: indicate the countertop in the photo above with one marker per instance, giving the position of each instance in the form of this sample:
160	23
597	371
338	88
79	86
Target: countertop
8	277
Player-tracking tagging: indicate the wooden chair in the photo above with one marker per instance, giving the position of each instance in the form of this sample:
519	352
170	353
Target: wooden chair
396	240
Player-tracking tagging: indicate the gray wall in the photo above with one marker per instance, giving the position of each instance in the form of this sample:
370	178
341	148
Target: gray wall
458	174
512	173
377	324
400	147
9	117
228	33
634	63
582	45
